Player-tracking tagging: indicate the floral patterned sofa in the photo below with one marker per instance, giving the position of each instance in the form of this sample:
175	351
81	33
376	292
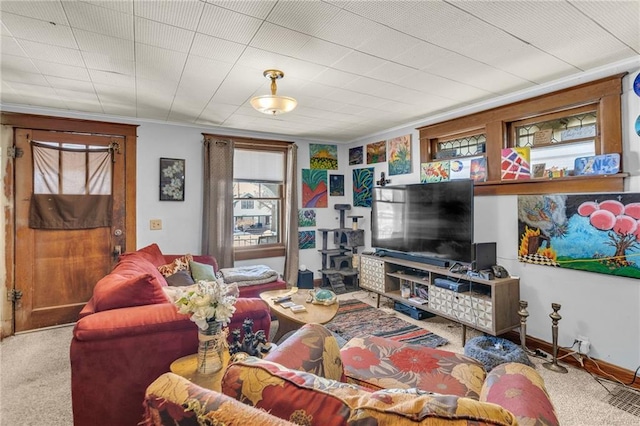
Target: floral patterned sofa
304	381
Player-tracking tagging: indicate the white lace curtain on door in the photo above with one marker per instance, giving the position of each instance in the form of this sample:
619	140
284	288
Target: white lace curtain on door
71	186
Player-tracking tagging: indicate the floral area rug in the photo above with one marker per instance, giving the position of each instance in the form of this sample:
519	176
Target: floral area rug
358	319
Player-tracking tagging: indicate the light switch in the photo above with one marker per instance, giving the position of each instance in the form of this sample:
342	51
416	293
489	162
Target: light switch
155	224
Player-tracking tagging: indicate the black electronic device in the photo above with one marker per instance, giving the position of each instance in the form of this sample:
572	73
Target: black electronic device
430	223
457	286
484	256
281	299
499	271
486	274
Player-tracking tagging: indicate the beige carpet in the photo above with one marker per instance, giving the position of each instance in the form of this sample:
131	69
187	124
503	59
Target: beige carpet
35	379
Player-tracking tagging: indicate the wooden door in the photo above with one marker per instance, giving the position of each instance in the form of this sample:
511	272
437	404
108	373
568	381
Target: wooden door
56	269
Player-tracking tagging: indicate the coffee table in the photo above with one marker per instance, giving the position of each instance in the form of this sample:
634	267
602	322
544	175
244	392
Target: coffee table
288	320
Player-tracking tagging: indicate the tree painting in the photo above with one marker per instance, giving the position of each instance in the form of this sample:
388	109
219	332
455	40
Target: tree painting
314	188
590	232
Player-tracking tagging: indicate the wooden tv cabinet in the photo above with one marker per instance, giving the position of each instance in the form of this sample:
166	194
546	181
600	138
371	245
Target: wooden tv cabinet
490	306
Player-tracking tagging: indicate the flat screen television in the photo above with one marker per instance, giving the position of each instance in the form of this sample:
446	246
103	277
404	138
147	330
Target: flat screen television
428	221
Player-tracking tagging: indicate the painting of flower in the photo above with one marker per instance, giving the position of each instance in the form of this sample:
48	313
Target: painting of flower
323	157
172	179
400	155
306	217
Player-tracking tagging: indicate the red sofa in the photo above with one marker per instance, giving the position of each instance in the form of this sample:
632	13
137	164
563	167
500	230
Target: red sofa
129	333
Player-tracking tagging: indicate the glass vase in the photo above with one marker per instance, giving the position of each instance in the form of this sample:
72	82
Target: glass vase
211	343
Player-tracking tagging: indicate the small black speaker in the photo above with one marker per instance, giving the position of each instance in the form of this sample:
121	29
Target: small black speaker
484	256
305	279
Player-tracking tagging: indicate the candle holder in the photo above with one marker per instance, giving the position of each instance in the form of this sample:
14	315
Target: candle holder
555	317
523	313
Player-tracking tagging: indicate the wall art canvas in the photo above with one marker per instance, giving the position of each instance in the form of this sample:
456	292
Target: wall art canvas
172	179
306	218
377	152
306	239
478	169
588	232
516	163
605	164
400	155
323	157
336	185
459	169
314	188
363	187
356	155
435	171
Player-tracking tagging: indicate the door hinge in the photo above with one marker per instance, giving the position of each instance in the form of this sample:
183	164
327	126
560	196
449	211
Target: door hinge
14	152
14	295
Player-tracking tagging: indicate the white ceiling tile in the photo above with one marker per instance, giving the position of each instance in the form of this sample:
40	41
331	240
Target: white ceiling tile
216	48
300	70
65	83
202	77
154	63
34	90
322	52
78	95
18	64
38	98
257	9
48	68
46	52
183	14
162	35
35	30
390	71
84	105
100	43
278	39
124	6
387	43
156	90
50	11
89	17
10	46
115	95
308	17
261	60
228	25
347	29
105	62
186	109
443	87
336	78
358	63
112	79
123	110
621	18
217	112
18	76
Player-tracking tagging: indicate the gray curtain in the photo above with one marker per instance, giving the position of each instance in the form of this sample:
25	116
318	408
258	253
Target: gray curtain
291	218
217	217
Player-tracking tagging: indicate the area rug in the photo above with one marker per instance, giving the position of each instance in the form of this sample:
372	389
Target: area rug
358	319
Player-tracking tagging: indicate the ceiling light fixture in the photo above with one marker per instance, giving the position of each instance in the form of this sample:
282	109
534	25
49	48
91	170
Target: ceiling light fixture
273	104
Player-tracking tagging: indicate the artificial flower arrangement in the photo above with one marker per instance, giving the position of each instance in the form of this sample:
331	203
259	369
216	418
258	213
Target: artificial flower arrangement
208	301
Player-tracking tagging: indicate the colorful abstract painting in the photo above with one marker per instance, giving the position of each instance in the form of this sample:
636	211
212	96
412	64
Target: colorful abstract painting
400	155
435	171
314	188
377	152
356	155
516	163
306	239
336	185
589	232
478	170
306	218
323	157
363	187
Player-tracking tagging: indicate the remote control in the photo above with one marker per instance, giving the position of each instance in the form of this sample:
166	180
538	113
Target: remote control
282	299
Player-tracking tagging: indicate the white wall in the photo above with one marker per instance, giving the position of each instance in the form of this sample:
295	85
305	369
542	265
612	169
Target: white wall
601	307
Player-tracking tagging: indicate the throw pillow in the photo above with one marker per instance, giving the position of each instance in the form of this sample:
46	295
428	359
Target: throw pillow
202	271
180	279
115	291
178	264
151	253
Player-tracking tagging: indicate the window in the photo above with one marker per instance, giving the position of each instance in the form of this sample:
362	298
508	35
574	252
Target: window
258	198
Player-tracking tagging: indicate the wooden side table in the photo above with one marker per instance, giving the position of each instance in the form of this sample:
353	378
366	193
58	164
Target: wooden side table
187	367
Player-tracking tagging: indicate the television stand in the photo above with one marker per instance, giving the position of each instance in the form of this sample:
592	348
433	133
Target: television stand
490	306
443	263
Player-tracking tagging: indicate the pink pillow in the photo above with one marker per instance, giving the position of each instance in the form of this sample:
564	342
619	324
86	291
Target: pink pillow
115	291
151	253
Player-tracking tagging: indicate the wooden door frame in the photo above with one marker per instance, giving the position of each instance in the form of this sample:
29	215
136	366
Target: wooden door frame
48	123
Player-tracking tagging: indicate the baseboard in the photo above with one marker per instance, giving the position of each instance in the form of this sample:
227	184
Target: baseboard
622	374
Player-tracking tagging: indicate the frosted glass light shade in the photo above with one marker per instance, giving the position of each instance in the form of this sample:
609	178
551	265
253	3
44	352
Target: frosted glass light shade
273	105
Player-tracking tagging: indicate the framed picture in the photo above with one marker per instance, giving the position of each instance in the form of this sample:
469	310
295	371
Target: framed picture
172	179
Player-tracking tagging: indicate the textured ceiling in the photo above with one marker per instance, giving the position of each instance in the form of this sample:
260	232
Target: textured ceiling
355	67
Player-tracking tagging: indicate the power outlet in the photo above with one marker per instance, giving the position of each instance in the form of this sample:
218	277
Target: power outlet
583	345
155	224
